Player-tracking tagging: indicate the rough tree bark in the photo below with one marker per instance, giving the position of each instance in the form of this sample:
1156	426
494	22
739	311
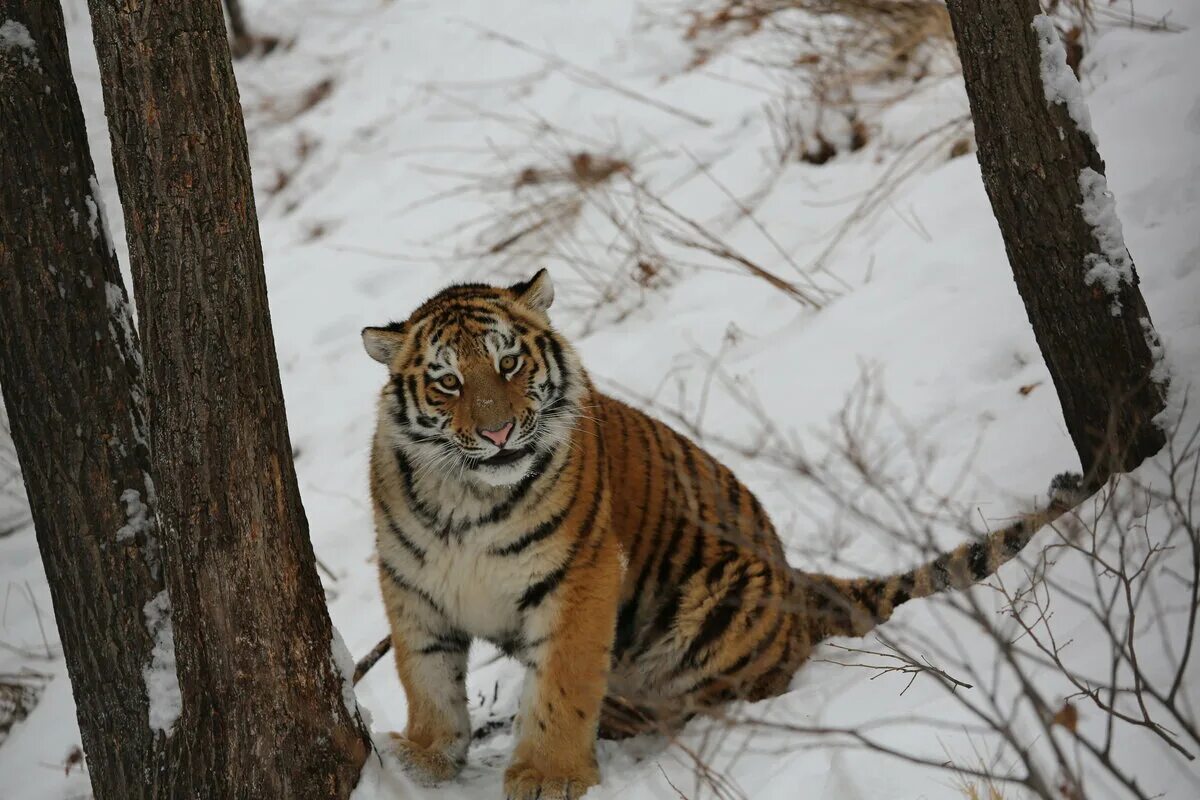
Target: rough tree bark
69	368
1037	165
263	713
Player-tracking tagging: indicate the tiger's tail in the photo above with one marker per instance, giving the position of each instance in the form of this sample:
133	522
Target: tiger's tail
854	606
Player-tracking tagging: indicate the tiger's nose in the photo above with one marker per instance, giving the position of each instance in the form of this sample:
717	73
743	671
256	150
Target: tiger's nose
498	436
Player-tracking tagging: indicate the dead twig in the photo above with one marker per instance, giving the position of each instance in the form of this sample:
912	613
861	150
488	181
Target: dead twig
364	664
589	76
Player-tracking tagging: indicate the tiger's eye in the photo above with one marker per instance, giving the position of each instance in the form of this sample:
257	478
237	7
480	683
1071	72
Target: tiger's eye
449	382
508	363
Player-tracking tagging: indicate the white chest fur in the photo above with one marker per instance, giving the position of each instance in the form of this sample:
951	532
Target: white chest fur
477	591
454	564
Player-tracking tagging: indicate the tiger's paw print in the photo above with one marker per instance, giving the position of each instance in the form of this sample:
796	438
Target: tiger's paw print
428	766
527	782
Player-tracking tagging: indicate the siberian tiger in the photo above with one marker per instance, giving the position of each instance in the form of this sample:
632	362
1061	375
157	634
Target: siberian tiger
632	574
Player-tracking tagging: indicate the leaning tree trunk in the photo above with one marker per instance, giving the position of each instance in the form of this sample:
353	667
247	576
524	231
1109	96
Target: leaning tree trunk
264	714
69	368
1046	183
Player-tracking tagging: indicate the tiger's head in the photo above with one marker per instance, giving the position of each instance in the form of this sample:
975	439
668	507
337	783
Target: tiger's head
480	384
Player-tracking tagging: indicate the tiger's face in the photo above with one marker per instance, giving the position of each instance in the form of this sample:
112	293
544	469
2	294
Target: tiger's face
480	385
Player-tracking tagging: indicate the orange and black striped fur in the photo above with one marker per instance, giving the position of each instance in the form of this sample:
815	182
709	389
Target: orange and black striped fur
626	568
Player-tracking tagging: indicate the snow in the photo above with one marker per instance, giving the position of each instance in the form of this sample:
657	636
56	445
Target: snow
343	665
136	514
162	682
15	36
1058	80
421	105
1112	266
120	323
1162	371
120	328
97	217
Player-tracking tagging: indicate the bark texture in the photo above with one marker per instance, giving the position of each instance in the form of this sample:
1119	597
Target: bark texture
264	715
1032	153
69	369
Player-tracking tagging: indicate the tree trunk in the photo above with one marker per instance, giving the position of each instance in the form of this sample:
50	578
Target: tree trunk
1071	267
264	715
69	368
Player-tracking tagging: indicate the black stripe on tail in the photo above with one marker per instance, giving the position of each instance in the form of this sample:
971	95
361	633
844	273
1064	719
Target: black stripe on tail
853	606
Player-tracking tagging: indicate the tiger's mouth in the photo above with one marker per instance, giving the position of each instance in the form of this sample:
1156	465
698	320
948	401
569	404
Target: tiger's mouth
506	457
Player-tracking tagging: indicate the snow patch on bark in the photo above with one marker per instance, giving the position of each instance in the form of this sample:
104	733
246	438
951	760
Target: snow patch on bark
15	38
1160	373
137	515
161	679
120	327
97	216
343	664
120	321
1111	267
151	547
1058	80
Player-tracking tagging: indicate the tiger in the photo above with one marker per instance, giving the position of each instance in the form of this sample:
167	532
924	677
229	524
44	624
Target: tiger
633	575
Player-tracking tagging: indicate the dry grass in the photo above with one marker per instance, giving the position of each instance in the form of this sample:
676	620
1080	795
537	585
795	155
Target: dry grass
555	202
583	170
891	35
612	233
972	792
597	212
886	36
544	201
841	61
835	64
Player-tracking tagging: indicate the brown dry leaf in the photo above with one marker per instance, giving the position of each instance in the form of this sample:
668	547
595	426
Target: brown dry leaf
1067	717
858	135
1073	42
961	147
74	759
819	154
1027	388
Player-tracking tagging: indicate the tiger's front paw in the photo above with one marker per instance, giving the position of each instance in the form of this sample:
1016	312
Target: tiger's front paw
524	781
426	765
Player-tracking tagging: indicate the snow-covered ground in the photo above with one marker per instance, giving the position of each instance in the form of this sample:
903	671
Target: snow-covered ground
387	141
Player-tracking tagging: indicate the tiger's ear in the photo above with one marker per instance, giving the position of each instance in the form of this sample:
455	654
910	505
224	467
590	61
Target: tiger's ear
381	344
536	293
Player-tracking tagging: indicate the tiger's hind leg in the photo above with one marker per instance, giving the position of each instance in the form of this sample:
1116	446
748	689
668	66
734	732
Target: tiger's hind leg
622	719
733	637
